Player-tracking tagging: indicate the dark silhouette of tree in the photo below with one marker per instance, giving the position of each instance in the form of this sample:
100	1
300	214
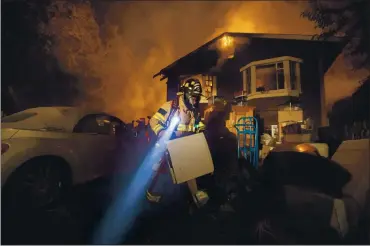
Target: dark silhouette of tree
354	108
349	19
30	76
361	103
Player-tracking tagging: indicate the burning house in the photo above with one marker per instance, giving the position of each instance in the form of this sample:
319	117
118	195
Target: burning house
277	77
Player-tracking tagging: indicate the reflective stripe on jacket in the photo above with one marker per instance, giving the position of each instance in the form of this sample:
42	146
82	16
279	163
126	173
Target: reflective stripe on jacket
188	121
191	128
158	121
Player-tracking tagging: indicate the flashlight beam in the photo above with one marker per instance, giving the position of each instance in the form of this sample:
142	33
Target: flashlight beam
123	211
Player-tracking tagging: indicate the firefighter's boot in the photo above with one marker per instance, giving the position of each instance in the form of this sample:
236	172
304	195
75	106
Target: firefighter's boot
152	197
200	198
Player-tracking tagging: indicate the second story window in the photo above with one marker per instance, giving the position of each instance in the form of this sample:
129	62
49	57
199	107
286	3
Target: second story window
249	80
207	85
293	75
270	77
278	75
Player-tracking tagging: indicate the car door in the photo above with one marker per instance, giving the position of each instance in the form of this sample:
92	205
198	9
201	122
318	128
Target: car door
111	138
89	141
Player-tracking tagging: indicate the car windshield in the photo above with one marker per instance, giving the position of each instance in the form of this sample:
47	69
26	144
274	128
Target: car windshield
17	117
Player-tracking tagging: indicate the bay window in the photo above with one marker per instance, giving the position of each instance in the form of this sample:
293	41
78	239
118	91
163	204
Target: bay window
293	75
248	78
272	77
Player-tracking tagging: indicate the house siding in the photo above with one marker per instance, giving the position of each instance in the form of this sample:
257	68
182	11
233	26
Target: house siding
340	81
230	79
172	87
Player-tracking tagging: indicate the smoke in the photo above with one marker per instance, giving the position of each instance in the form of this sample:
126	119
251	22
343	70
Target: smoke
114	48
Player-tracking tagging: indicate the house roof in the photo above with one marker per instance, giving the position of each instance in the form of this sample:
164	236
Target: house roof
164	72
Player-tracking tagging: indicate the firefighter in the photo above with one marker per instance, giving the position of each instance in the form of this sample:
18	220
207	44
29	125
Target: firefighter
186	107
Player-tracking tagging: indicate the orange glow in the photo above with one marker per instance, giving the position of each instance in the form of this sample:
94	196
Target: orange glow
114	60
306	148
227	42
341	81
267	17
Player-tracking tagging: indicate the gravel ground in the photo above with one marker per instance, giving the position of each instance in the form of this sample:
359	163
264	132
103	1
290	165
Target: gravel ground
71	222
74	221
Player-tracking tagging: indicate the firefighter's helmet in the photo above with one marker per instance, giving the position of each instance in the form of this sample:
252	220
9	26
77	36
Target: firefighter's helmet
191	89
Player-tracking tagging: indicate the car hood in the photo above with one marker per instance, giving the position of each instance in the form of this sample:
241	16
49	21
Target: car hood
42	119
7	133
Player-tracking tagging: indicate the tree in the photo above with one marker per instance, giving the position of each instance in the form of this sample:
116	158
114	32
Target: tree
75	40
349	19
99	56
30	76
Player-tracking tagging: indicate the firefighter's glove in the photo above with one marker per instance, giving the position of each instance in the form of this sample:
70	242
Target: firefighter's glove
152	198
201	198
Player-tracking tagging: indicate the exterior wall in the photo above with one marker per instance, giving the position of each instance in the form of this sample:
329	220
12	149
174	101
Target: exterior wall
340	81
172	88
347	105
350	117
230	79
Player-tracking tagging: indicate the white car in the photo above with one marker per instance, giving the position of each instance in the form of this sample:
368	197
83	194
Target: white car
46	149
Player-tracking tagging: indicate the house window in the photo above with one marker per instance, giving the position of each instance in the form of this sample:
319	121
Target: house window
280	78
275	76
270	77
293	75
208	84
249	80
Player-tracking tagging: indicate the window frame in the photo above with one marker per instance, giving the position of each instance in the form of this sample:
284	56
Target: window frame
277	71
286	61
96	116
248	81
293	67
208	89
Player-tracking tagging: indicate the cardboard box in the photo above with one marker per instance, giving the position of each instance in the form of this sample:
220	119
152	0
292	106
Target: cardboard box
190	158
238	112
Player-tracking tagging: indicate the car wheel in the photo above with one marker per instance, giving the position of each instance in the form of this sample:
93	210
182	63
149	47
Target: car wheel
37	184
